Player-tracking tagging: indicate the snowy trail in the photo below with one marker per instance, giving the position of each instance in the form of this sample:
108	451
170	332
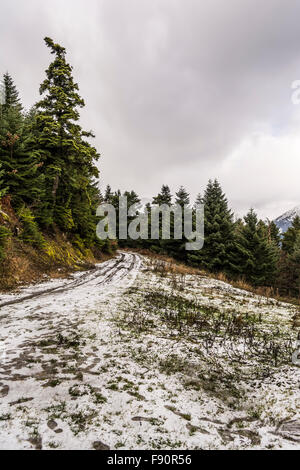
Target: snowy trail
47	314
61	303
85	365
111	271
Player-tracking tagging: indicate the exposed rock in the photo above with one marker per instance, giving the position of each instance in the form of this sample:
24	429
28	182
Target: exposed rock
141	418
58	431
52	424
98	445
4	391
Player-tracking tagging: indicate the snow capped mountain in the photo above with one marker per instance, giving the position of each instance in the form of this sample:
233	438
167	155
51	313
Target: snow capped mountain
285	220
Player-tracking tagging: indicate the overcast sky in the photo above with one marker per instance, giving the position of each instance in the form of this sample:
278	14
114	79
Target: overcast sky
177	91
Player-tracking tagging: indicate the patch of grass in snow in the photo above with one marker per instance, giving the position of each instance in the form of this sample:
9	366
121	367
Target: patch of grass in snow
120	444
161	443
52	383
5	417
52	445
242	334
56	411
80	420
73	341
79	390
113	387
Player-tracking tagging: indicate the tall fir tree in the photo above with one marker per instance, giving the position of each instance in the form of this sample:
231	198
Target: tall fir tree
254	256
164	197
108	195
176	247
182	197
19	156
294	266
11	94
68	158
218	230
274	233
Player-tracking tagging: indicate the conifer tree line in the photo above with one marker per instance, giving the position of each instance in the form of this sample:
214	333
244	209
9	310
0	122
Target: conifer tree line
249	249
48	175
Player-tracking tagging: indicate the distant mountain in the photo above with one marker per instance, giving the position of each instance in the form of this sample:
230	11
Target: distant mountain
285	220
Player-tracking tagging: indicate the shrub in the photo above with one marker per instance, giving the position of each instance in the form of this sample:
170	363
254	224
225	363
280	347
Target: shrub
30	233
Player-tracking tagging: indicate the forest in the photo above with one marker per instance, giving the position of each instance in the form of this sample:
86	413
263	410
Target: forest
49	189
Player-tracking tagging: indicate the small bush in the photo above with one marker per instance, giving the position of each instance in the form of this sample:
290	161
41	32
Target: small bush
30	233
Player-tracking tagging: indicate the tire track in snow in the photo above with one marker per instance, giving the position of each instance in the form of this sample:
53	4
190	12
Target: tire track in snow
104	274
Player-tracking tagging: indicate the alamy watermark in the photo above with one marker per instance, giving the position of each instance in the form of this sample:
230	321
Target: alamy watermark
159	222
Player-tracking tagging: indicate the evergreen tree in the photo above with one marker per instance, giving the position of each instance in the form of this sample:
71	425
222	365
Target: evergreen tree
20	159
218	230
182	197
254	256
176	247
294	266
289	238
164	197
11	94
108	194
199	200
68	158
274	233
132	198
3	187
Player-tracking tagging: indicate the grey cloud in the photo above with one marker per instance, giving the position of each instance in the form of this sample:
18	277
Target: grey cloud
172	88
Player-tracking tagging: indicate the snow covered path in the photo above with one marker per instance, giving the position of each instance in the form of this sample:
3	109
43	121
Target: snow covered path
42	319
95	362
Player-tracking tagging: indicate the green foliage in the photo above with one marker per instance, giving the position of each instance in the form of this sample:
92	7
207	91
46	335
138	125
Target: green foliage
164	197
254	255
30	232
218	222
5	233
68	158
11	94
182	197
3	188
294	265
288	281
290	236
274	233
108	196
19	156
47	167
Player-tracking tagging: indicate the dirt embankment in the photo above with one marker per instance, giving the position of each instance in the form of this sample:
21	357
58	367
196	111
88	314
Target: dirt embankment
24	263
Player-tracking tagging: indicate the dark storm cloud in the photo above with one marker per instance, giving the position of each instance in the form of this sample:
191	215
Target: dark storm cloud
174	88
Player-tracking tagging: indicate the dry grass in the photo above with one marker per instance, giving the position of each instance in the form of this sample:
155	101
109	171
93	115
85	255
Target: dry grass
264	291
165	265
25	265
